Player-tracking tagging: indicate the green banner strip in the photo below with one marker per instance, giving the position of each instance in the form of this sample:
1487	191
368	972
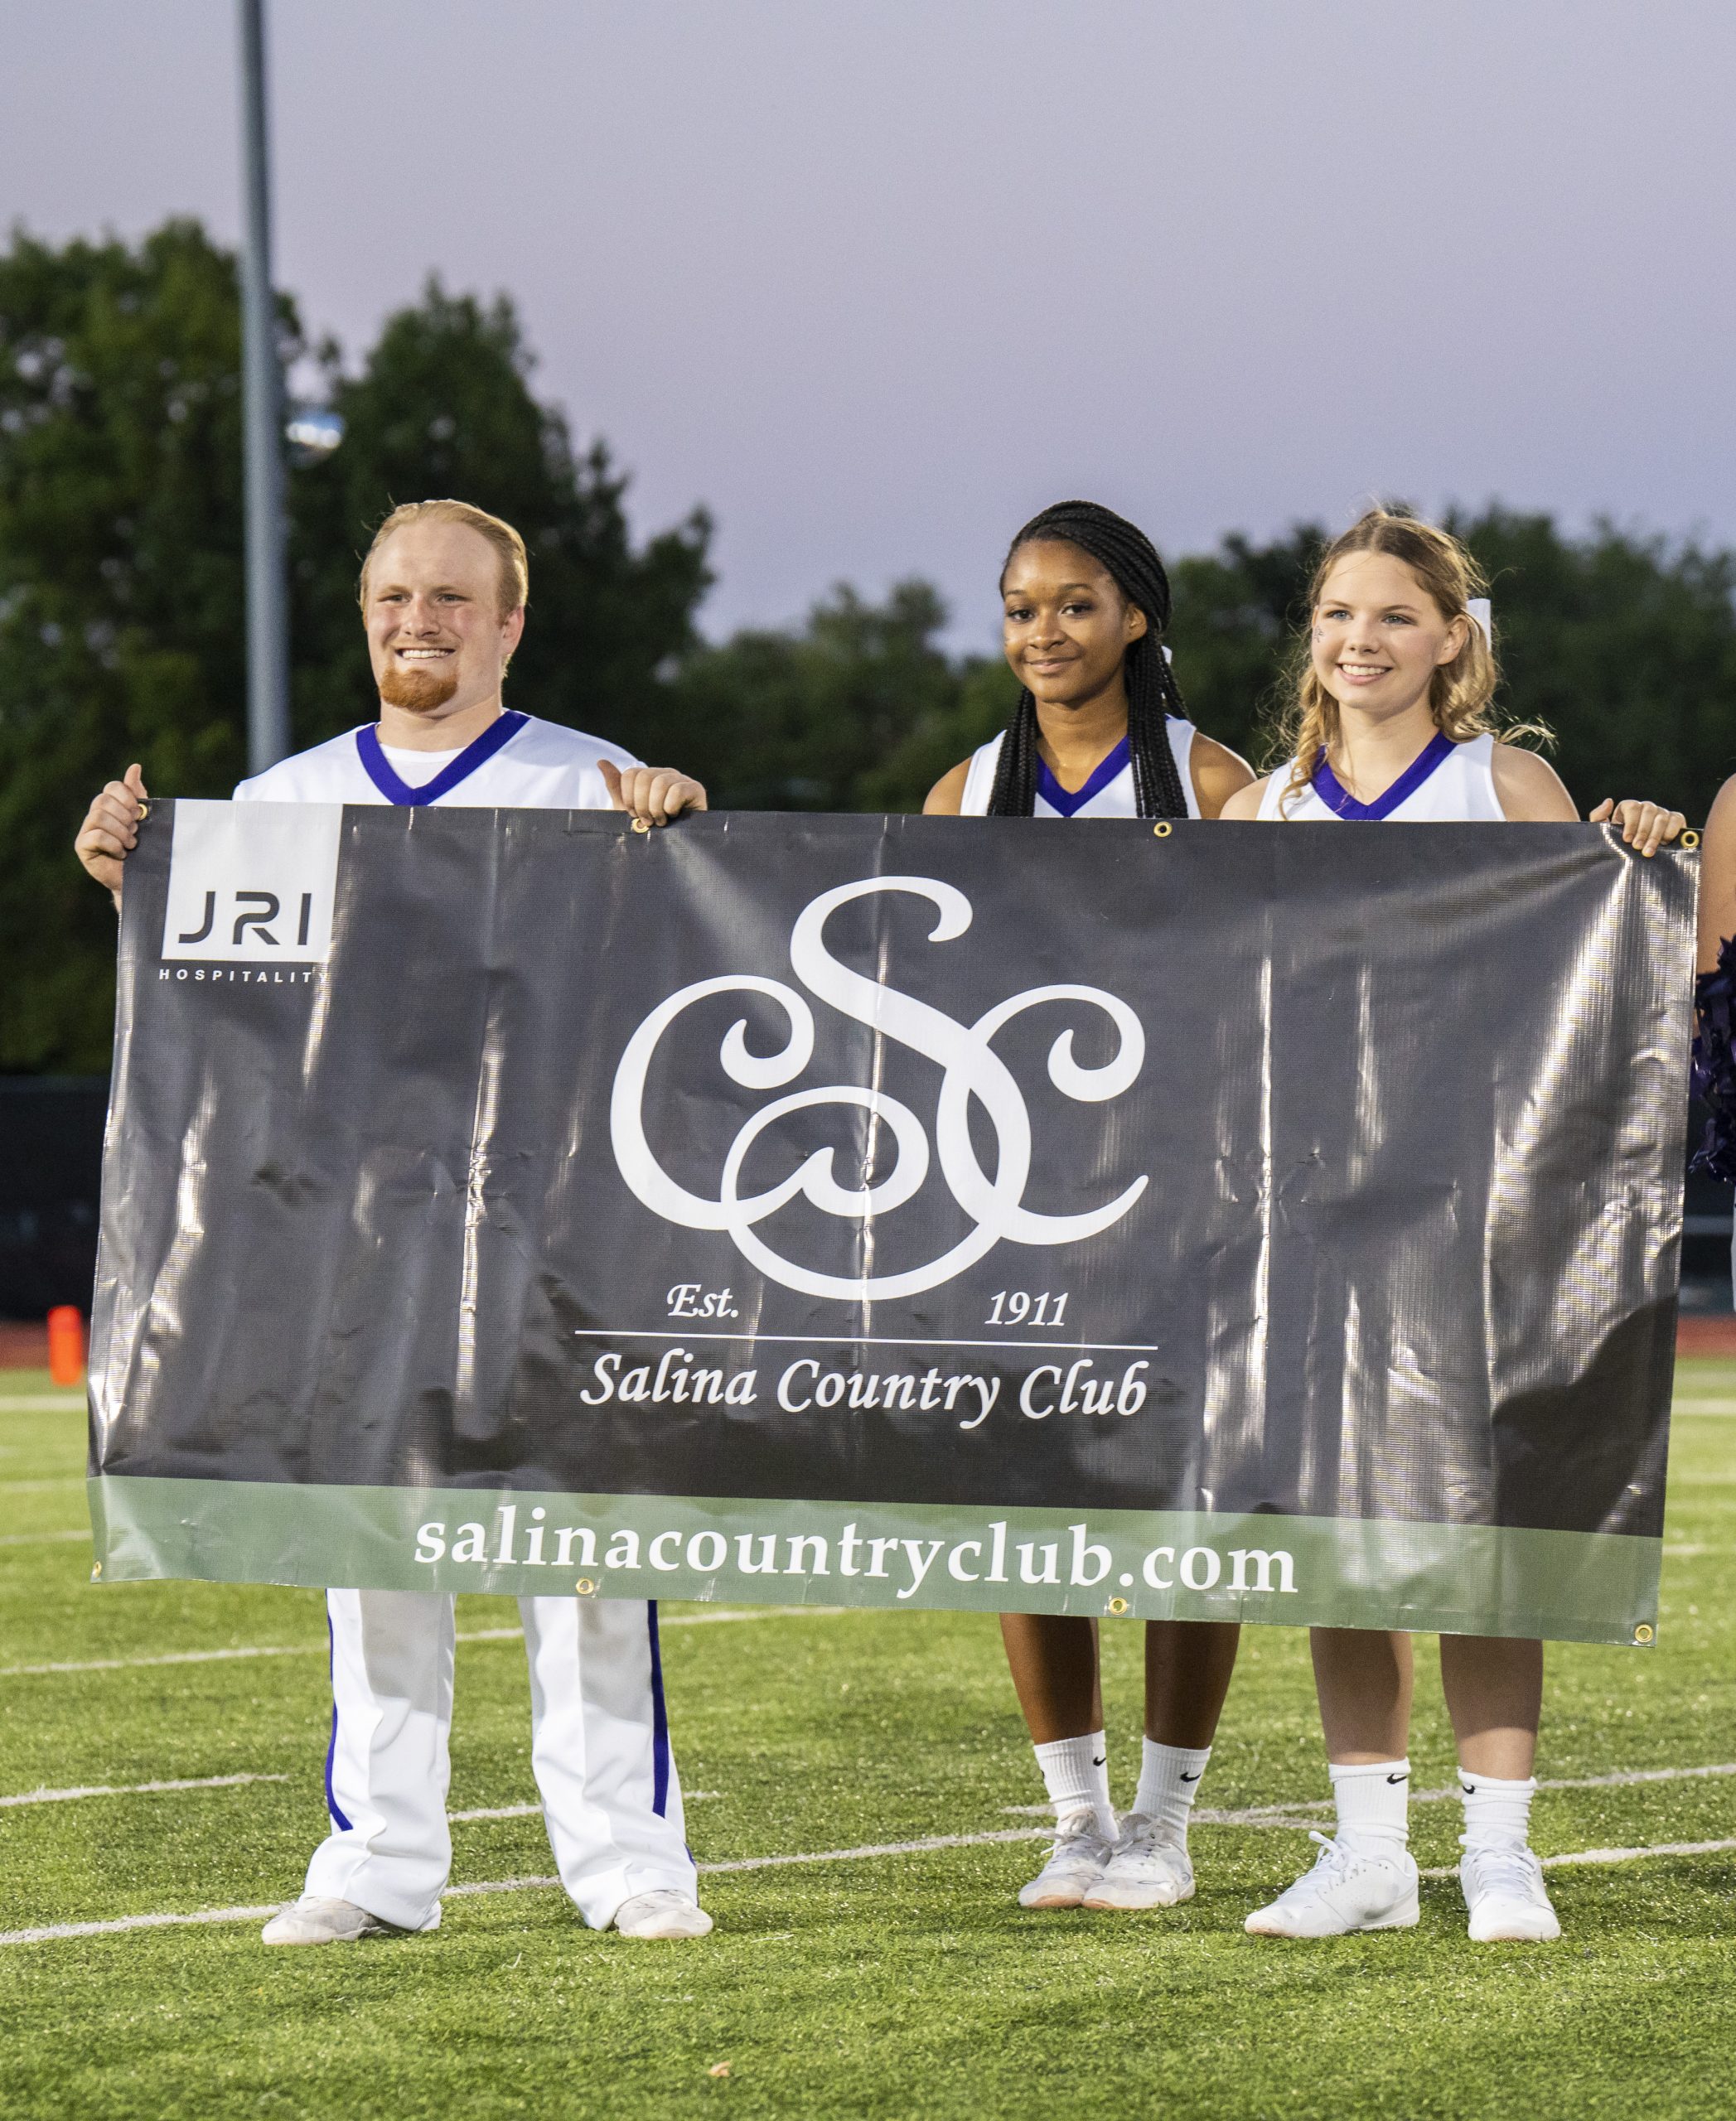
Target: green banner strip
1457	1579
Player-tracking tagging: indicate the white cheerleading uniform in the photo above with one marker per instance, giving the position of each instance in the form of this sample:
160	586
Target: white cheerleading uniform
1108	793
1445	784
600	1749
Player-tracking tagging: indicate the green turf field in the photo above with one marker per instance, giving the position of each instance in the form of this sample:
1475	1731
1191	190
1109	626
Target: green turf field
884	1983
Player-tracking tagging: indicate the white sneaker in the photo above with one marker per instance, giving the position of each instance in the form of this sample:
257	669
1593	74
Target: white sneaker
314	1919
1345	1891
1147	1868
1505	1892
665	1915
1077	1861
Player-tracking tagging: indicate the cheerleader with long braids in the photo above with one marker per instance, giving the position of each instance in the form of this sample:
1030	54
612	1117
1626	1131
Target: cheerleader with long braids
1100	732
1392	721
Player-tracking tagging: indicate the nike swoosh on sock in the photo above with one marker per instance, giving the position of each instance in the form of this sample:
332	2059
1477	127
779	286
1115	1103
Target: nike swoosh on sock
1193	1778
1099	1759
1398	1778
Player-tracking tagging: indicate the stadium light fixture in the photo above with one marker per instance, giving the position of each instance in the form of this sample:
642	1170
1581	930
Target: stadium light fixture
313	433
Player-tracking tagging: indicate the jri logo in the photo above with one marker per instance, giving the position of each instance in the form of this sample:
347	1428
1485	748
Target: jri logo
969	1068
253	882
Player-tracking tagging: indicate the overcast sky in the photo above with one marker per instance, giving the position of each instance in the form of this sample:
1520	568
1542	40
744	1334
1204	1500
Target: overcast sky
874	279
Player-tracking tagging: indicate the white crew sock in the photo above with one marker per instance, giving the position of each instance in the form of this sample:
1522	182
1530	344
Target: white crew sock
1371	1801
1075	1773
1497	1813
1169	1777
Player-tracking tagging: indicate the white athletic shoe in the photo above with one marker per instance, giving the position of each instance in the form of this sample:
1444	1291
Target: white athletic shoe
1148	1867
1345	1891
1077	1861
665	1915
1505	1892
314	1919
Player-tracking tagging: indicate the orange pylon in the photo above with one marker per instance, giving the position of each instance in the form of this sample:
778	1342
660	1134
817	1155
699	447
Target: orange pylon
66	1344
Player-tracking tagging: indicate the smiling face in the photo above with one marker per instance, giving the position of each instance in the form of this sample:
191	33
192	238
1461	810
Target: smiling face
436	637
1378	636
1065	625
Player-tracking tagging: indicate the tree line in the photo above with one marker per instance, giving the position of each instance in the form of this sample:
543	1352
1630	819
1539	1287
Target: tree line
121	609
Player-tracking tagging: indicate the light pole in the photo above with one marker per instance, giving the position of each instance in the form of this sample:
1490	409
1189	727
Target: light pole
262	400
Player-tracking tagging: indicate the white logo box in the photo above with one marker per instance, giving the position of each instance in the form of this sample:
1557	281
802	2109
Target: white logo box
253	882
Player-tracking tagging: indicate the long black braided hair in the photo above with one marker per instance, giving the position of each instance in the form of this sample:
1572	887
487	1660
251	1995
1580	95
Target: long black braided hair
1152	695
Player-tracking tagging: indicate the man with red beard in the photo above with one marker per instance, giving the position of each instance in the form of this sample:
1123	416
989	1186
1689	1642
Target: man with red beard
443	593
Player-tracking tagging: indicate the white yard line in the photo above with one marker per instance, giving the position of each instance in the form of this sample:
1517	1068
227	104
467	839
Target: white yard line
51	1933
1586	1856
44	1538
318	1649
42	1402
42	1487
1279	1814
136	1789
535	1811
220	1656
1628	1776
872	1849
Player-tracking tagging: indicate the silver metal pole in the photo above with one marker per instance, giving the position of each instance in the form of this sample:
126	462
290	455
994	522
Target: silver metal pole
262	396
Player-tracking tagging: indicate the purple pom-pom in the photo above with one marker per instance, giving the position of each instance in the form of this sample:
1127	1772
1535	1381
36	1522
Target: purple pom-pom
1714	1065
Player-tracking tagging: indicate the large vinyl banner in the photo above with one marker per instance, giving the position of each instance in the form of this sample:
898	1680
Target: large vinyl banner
1212	1220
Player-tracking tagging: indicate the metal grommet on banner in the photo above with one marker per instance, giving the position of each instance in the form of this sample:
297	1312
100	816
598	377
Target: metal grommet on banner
1118	1605
96	1570
642	824
144	809
1162	828
1643	1633
1688	841
584	1587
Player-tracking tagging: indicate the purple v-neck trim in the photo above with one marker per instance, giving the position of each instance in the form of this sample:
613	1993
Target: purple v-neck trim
379	770
1069	801
1338	799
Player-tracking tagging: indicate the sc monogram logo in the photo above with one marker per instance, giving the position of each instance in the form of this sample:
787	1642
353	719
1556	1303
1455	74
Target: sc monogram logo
251	882
969	1068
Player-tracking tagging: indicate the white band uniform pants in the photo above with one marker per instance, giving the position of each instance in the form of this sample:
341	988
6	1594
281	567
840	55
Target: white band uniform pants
600	1751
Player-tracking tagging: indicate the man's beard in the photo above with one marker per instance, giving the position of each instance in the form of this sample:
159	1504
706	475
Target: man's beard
420	691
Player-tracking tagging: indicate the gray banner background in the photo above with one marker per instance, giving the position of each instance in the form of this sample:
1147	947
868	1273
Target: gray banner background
1411	1113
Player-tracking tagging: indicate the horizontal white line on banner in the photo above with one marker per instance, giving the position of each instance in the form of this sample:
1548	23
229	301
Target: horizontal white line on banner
52	1933
75	1405
471	1634
876	1340
45	1404
44	1538
760	1613
136	1789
